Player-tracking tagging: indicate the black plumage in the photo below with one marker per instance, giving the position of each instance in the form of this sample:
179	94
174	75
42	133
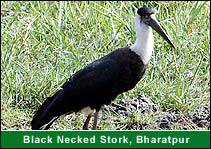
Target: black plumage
145	11
93	86
100	82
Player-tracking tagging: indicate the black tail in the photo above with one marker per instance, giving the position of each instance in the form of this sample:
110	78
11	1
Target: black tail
47	113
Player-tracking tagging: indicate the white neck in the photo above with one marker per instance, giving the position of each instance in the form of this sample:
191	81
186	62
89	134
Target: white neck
145	42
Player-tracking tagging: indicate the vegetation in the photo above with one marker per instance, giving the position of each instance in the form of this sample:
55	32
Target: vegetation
43	43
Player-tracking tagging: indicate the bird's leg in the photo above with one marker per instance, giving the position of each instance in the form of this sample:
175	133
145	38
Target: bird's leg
95	121
86	124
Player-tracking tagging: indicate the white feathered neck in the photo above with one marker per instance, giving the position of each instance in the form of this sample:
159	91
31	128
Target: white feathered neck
144	43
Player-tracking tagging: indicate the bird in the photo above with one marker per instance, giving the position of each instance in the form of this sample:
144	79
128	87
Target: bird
100	82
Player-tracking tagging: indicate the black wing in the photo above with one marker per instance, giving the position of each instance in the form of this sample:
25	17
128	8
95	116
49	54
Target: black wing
94	85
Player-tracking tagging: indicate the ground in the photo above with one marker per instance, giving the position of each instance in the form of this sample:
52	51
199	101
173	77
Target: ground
160	120
136	114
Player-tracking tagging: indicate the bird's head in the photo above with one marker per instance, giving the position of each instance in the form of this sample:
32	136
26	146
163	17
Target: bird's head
146	16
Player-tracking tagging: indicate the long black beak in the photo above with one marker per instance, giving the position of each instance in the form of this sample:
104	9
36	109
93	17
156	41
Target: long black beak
157	27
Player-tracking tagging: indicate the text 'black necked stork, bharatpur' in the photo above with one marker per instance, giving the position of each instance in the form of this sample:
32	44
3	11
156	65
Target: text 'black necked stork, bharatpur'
100	82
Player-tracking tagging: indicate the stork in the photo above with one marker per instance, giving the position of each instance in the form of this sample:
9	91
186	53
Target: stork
100	82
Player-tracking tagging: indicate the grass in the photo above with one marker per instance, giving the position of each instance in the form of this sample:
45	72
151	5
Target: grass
44	42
